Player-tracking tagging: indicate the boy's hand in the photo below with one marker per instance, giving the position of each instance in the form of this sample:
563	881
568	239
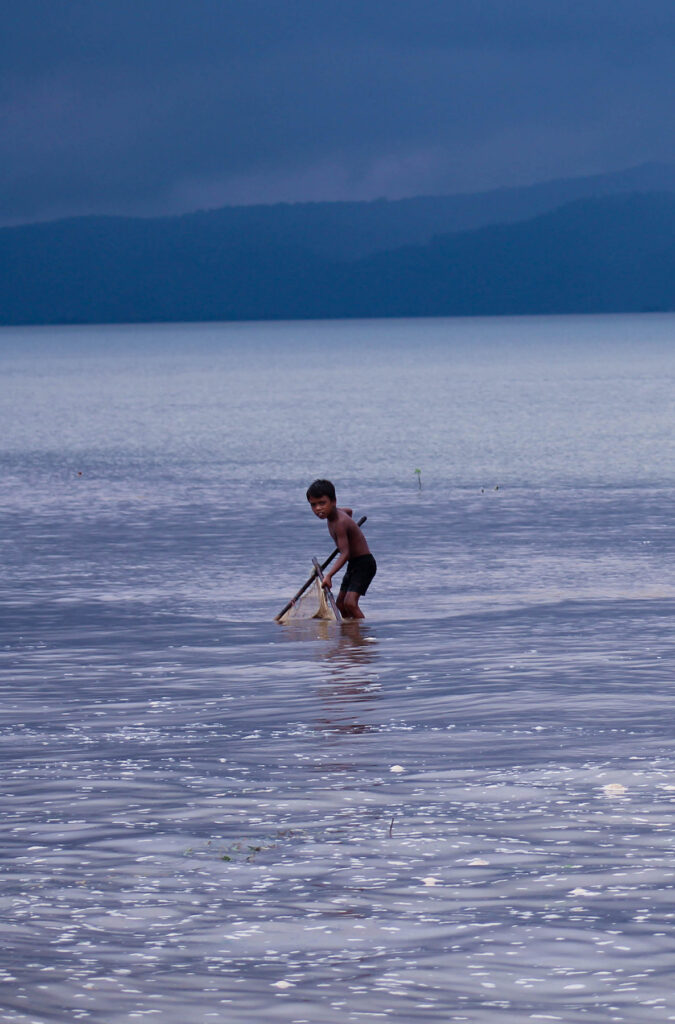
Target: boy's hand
327	582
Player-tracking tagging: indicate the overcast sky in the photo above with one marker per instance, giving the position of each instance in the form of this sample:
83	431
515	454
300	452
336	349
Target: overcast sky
164	106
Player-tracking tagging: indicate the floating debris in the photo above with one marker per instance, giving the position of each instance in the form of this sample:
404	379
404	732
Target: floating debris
614	789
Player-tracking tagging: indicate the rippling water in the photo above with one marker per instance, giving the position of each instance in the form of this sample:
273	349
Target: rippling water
458	810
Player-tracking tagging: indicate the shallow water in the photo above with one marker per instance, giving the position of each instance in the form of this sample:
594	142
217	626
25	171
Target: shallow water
458	810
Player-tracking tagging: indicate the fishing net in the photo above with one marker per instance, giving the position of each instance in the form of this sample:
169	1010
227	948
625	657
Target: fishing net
312	605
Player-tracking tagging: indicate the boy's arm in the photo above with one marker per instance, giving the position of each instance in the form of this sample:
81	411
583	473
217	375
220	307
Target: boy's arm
342	543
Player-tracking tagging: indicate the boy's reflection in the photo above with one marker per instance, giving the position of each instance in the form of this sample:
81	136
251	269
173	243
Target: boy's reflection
346	685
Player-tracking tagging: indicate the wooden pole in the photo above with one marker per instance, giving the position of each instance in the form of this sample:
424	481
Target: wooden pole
331	599
303	588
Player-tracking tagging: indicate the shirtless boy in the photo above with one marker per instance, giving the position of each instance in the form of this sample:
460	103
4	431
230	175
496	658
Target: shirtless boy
352	545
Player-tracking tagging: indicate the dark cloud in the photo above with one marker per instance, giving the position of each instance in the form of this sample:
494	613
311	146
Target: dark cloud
161	106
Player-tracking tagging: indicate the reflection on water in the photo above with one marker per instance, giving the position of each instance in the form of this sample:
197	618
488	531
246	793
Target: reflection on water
347	678
460	809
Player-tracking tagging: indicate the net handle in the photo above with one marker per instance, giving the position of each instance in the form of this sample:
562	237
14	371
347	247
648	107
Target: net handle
303	588
326	590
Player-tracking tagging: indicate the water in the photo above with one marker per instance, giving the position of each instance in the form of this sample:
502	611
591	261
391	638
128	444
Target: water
459	810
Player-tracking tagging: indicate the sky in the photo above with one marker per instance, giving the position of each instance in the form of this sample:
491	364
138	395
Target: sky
153	107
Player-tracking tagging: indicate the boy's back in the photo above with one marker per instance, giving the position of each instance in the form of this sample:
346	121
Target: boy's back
344	525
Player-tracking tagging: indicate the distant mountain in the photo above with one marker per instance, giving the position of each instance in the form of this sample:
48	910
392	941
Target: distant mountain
348	230
615	254
609	253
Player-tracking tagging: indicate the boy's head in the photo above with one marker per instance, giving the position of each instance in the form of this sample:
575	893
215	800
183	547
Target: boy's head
321	489
321	496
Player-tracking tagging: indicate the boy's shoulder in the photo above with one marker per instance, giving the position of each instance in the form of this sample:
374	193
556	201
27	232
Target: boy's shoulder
345	517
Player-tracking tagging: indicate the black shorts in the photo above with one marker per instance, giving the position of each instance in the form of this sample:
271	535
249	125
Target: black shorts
359	575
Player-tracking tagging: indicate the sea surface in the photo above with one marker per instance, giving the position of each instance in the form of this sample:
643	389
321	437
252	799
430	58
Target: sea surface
459	810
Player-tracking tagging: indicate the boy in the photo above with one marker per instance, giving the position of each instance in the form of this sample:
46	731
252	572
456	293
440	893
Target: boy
352	545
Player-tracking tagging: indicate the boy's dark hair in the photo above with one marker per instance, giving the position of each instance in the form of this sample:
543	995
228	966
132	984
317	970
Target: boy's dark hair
321	489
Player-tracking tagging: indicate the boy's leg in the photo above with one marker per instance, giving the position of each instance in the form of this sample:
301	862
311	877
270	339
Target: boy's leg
344	587
350	605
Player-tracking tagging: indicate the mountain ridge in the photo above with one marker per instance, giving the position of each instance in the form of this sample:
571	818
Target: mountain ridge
351	228
609	253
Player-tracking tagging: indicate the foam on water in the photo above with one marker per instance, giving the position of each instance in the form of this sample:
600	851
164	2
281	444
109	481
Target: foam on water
460	810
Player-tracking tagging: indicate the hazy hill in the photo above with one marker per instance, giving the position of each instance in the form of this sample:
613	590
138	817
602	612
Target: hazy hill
596	255
349	230
601	254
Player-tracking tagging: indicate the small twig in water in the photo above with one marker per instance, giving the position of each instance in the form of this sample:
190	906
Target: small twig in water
418	473
391	828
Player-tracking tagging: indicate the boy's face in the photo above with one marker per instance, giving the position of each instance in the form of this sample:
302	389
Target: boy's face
322	507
